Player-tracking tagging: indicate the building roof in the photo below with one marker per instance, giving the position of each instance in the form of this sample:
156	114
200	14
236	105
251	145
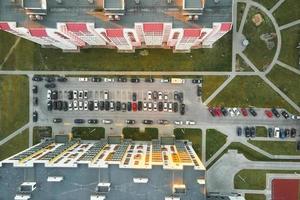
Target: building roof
4	26
77	27
226	27
114	33
191	32
38	32
153	27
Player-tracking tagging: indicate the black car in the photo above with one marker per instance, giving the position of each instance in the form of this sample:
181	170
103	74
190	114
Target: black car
252	132
176	95
96	79
70	95
118	106
106	105
35	101
130	121
91	105
175	107
252	112
147	121
123	107
160	106
199	91
135	80
182	109
93	121
101	105
122	79
270	132
247	131
180	97
149	80
275	112
293	132
140	106
128	106
59	105
285	114
35	116
50	85
49	79
79	121
239	131
35	89
54	95
65	106
49	105
155	95
37	78
57	120
196	81
211	111
134	96
54	105
224	111
62	79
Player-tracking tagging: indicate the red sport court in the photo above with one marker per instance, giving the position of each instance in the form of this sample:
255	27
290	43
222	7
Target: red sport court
286	189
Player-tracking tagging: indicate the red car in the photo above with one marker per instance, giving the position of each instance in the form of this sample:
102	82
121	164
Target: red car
218	112
269	113
134	106
244	112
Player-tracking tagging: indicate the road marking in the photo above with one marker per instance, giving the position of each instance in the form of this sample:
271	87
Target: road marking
67	124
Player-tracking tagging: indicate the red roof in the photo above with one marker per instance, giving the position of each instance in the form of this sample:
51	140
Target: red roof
285	189
77	27
4	26
38	32
153	27
114	32
226	27
191	32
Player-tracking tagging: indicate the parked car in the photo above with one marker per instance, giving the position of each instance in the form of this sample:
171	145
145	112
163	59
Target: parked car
35	89
134	96
75	105
275	112
252	112
239	131
112	106
224	111
85	94
177	122
128	106
276	132
96	107
122	79
106	105
35	116
62	79
79	121
93	121
155	95
49	106
109	80
230	111
140	106
160	95
106	95
182	109
293	132
49	79
236	111
50	85
85	105
285	114
149	95
107	121
135	80
118	106
244	112
175	107
163	121
83	79
196	81
164	80
161	106
146	121
149	80
75	96
130	121
70	106
252	132
37	78
268	113
247	131
57	120
170	106
35	101
295	117
145	106
190	122
101	105
90	105
270	132
70	95
80	94
96	79
123	107
65	105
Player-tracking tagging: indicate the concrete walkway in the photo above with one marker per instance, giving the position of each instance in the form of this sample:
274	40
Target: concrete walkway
15	133
288	67
10	52
276	5
289	24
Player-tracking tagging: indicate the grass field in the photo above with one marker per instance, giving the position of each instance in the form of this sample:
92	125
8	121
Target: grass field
88	133
15	145
245	91
255	197
255	179
267	3
8	40
210	84
261	131
240	11
193	135
40	132
287	12
262	58
277	147
289	53
287	82
241	65
14	106
214	141
29	56
135	134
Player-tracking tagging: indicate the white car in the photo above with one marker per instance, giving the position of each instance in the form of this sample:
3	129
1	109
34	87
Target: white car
190	122
107	121
177	122
160	95
145	106
96	105
164	80
106	95
236	111
166	97
165	106
295	117
82	79
75	94
230	111
154	106
108	80
85	105
149	94
49	94
170	107
80	94
70	106
149	106
80	105
276	132
85	94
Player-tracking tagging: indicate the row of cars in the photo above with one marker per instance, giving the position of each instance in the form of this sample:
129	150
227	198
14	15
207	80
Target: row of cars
272	132
128	121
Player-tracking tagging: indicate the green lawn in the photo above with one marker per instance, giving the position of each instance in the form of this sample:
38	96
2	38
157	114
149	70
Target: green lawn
261	131
287	81
255	179
193	135
287	12
14	106
289	54
210	84
135	134
240	11
214	141
277	147
88	133
40	132
255	197
262	58
245	91
241	65
267	3
29	56
15	145
8	40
